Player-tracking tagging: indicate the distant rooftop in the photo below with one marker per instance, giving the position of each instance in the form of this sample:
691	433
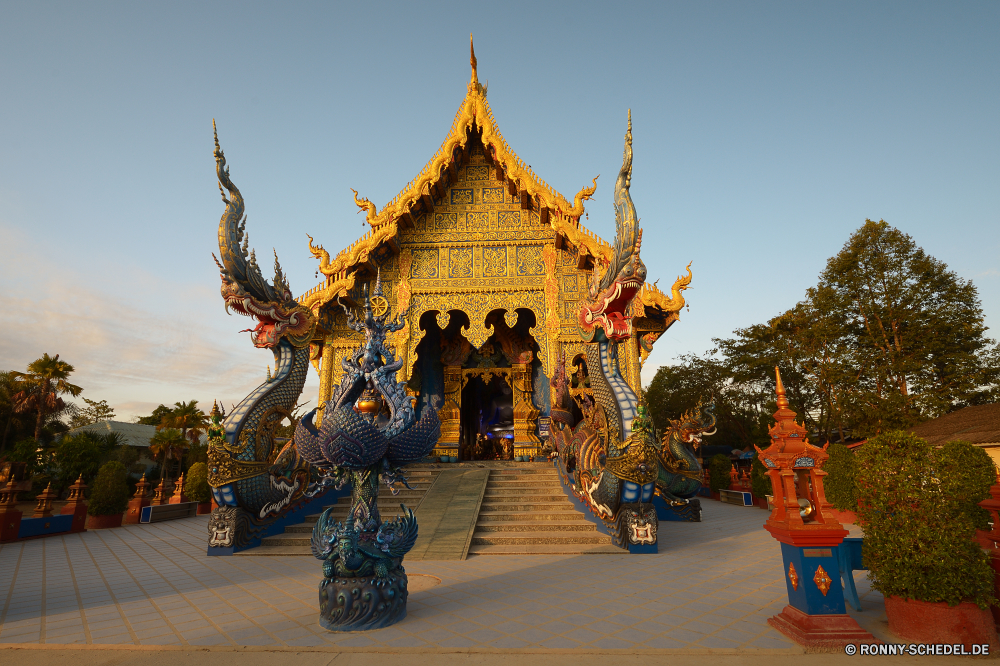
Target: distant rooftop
134	434
978	425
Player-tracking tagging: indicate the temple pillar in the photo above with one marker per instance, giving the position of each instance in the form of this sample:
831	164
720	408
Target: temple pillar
526	442
325	379
450	413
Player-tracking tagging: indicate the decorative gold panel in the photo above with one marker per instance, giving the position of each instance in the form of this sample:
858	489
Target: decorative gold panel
494	261
477	220
461	196
445	221
822	580
492	195
477	172
460	262
509	218
529	260
425	263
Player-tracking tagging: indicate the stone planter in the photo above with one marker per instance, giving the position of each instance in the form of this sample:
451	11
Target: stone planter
761	502
104	522
715	495
925	622
204	507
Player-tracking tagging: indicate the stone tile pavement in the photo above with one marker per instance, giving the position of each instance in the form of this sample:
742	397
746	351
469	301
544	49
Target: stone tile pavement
712	586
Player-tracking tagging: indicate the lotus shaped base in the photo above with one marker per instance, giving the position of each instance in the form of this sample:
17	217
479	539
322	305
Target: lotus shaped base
359	604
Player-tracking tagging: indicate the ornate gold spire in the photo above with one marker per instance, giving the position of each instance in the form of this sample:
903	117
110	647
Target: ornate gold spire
472	61
782	400
786	433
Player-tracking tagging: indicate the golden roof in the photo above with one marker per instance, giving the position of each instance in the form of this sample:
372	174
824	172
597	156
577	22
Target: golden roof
384	224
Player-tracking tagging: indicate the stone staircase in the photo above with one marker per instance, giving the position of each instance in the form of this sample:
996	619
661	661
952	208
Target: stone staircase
526	512
295	540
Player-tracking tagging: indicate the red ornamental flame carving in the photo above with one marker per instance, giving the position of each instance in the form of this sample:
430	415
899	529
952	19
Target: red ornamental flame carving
794	577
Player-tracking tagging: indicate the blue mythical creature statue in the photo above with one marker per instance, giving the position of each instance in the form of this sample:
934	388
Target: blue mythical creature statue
368	429
253	481
612	454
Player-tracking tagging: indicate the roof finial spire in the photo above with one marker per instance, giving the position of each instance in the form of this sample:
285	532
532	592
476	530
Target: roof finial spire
472	61
782	399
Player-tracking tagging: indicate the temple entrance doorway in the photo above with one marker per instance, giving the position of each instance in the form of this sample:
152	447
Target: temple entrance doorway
487	416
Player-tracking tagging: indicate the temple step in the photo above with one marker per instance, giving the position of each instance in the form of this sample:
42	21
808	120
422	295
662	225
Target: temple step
548	536
545	549
543	524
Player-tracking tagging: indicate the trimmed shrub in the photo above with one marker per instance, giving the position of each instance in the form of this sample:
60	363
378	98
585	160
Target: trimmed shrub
967	472
719	467
196	483
760	482
918	540
841	481
109	496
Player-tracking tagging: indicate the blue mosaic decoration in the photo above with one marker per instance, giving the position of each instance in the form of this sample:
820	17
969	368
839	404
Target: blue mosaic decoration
769	462
369	429
804	462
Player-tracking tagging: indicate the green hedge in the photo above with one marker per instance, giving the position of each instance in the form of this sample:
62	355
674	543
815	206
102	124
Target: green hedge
109	496
841	481
760	482
719	467
196	483
918	532
969	472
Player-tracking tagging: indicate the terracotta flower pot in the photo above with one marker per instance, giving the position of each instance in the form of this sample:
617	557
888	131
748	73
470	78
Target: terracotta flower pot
104	522
761	502
925	622
715	495
204	507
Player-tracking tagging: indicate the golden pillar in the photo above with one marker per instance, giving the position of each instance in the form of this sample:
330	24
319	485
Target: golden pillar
450	413
325	379
526	443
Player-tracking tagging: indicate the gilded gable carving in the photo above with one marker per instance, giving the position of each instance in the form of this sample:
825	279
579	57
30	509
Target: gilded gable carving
569	283
445	220
477	172
492	195
460	196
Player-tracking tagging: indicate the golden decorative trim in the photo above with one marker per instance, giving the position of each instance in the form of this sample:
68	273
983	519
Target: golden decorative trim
794	577
822	580
650	296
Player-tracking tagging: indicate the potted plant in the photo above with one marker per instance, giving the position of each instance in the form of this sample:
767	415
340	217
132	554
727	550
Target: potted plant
841	482
108	497
719	469
196	487
919	541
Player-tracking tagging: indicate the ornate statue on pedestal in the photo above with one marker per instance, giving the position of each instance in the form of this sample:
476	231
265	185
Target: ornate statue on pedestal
364	584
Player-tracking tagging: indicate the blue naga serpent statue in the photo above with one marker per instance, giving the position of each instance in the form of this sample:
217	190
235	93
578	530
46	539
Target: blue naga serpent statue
613	455
369	429
253	481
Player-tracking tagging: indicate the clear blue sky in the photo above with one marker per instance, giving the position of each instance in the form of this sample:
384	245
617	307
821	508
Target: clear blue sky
765	133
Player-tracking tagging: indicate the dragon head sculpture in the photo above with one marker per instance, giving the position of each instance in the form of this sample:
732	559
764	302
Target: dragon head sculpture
607	310
244	289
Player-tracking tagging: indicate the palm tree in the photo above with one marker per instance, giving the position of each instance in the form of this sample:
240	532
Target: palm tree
9	386
44	381
170	443
186	417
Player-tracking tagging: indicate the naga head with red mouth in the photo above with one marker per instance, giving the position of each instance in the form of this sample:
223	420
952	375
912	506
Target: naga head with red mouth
244	288
275	319
608	310
605	313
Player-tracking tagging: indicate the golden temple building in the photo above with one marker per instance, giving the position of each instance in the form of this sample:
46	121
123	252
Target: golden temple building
489	262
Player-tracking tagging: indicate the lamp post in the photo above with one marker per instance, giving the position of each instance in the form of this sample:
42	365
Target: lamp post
803	523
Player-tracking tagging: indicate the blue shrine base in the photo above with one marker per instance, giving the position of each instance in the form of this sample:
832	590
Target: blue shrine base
806	591
34	527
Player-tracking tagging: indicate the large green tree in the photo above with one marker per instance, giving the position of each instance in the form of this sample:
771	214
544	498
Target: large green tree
90	413
888	337
10	386
44	383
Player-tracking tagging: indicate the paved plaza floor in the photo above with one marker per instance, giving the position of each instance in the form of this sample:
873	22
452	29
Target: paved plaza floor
710	589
